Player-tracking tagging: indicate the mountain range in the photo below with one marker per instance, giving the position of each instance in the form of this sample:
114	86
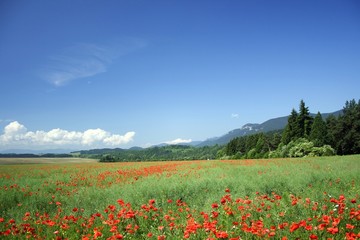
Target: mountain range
252	128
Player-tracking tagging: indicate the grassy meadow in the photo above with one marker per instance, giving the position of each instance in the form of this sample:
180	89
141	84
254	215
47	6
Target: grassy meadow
307	198
17	161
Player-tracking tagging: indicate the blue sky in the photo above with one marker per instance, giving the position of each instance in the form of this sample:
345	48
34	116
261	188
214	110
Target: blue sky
85	74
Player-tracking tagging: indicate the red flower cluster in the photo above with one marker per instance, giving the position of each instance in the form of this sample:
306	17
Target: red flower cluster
228	216
241	218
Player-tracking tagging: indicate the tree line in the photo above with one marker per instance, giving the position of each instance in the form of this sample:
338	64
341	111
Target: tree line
170	152
304	135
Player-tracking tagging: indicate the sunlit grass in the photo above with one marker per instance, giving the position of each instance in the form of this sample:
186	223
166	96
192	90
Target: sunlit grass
183	191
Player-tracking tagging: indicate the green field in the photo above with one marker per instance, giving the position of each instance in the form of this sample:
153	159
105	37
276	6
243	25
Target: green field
17	161
314	198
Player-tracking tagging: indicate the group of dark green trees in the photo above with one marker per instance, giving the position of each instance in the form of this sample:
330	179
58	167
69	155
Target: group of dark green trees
252	146
304	135
160	153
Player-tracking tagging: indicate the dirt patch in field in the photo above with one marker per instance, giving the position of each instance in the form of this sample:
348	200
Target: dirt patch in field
15	161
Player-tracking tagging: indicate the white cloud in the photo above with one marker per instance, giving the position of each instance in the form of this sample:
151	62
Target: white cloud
16	135
234	115
93	135
85	60
178	141
14	128
118	139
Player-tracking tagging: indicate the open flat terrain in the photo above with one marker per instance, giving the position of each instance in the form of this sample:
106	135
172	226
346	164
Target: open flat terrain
15	161
304	198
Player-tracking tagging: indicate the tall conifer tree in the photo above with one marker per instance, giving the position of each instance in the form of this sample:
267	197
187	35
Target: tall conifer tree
348	129
291	128
318	131
304	121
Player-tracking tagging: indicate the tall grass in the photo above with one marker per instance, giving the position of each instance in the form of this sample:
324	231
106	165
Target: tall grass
91	188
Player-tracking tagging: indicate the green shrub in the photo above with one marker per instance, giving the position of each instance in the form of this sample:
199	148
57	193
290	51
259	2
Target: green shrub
301	148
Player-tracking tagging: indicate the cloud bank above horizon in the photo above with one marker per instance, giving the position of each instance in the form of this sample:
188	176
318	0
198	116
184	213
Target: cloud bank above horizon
17	135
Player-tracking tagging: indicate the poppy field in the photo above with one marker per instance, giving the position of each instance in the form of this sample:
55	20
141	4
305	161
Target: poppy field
307	198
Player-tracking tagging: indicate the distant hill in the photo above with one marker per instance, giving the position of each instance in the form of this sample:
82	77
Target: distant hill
99	151
192	143
252	128
136	148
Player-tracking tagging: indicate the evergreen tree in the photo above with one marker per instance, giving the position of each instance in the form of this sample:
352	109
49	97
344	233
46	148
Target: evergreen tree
299	124
241	145
231	148
262	145
292	128
304	121
251	141
318	131
347	131
275	141
331	126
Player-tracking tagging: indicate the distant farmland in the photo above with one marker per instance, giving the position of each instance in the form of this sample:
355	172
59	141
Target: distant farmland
15	161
